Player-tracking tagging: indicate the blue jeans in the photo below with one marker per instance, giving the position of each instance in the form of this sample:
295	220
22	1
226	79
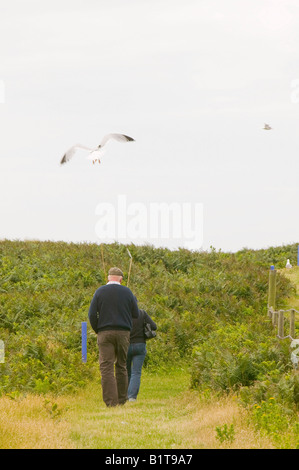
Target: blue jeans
135	359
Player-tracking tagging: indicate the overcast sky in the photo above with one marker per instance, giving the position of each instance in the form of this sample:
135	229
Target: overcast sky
193	82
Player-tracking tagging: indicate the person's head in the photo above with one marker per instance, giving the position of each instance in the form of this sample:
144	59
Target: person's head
115	274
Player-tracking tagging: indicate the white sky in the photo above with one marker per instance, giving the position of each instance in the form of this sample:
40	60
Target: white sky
192	81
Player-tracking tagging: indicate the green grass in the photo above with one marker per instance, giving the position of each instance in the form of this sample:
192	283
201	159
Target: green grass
138	425
293	275
167	415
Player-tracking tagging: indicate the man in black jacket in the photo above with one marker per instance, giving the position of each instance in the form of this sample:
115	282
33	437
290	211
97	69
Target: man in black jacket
110	314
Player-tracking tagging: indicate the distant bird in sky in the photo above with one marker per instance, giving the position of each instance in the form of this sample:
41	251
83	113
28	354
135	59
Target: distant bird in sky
94	153
267	127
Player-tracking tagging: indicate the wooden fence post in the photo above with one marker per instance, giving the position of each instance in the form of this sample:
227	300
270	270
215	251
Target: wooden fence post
272	288
274	318
281	323
292	323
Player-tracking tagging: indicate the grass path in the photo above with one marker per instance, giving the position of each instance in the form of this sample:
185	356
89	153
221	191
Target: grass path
167	415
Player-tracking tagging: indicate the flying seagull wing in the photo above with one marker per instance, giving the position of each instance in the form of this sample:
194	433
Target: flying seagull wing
94	154
119	137
71	152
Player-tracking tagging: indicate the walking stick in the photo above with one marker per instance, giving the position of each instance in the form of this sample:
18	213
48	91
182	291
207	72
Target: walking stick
129	266
103	262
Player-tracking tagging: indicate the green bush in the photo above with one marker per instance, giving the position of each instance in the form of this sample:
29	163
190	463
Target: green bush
236	356
197	299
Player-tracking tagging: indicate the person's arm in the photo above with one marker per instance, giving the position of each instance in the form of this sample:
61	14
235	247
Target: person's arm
135	309
149	320
93	313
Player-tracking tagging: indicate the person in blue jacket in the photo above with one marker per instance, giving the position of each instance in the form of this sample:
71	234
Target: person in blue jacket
111	313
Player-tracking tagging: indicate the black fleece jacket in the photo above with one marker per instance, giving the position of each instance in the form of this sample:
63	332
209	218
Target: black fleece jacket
112	308
137	335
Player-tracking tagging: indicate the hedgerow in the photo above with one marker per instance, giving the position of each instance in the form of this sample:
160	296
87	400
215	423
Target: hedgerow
206	304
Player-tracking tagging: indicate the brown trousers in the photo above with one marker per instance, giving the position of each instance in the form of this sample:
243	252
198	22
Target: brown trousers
113	348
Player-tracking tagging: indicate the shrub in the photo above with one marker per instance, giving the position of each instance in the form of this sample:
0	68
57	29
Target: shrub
199	300
235	356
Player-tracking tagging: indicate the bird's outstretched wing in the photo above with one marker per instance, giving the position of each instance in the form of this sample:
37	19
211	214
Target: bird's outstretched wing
119	137
71	152
94	154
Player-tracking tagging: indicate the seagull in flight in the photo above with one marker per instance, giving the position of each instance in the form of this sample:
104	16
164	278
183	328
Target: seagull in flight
95	153
267	127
